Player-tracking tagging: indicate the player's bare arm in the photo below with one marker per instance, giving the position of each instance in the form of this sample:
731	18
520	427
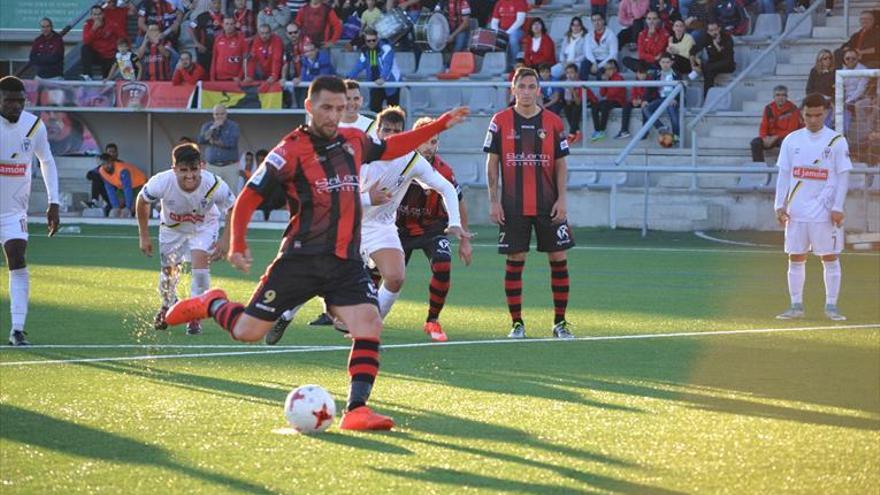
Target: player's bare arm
379	195
559	211
496	213
53	219
142	212
465	250
222	246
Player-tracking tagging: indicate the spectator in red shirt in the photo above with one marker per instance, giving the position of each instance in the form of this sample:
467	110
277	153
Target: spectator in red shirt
230	49
608	98
319	23
99	43
459	15
538	47
781	117
638	98
47	52
264	61
509	16
245	21
652	43
188	71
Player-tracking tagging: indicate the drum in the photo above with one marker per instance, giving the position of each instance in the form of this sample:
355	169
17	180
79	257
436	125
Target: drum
488	40
393	25
431	32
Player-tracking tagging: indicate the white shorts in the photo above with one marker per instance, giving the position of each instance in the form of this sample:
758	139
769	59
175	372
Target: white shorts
378	236
822	238
175	247
13	226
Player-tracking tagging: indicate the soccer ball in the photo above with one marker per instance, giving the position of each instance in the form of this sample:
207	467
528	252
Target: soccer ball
666	139
309	409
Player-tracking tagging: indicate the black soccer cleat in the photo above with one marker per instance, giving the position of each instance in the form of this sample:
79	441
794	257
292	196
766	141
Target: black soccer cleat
323	320
159	322
277	331
17	338
194	328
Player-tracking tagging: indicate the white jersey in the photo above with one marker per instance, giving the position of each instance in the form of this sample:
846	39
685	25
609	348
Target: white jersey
395	176
187	211
19	142
365	124
809	186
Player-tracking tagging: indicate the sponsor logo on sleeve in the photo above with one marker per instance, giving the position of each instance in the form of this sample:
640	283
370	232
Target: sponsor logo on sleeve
276	160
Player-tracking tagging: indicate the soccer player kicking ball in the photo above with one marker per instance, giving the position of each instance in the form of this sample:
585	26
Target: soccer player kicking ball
528	144
191	200
22	135
421	223
318	166
811	190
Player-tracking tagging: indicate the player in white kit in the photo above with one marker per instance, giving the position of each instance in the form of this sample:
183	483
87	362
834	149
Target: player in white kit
380	241
814	167
191	200
22	135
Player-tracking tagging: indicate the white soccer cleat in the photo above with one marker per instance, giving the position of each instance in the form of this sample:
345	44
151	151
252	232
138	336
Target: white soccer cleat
833	314
794	312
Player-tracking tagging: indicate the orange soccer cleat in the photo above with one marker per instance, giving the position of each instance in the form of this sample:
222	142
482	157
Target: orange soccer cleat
435	331
363	418
194	308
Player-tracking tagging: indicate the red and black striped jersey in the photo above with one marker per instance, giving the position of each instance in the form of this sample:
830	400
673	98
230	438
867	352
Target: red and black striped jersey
528	149
421	211
321	180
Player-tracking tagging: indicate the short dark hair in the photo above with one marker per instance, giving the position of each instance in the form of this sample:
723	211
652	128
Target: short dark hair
332	84
599	15
186	153
524	72
51	24
815	100
105	158
572	66
666	55
352	84
11	83
112	145
543	67
370	32
391	115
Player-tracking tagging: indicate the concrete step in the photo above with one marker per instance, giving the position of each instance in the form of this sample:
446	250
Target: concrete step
823	32
802	69
801	57
736	143
734	131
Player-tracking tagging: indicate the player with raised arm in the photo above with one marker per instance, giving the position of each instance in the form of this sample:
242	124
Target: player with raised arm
811	188
192	201
422	222
22	135
528	145
318	166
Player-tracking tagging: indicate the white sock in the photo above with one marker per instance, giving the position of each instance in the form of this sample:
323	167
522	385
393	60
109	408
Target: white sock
290	314
832	274
797	273
386	300
168	287
201	281
19	288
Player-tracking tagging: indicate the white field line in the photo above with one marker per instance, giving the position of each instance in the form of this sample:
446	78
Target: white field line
774	250
287	350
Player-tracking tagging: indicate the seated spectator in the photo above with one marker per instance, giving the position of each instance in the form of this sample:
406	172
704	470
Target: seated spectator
854	88
319	23
664	74
378	62
120	177
699	15
99	43
653	41
667	11
276	14
203	29
371	15
781	117
98	197
631	16
571	104
245	21
188	71
509	16
266	56
47	52
162	13
731	17
538	48
865	41
638	99
551	96
572	50
608	99
821	78
599	49
679	46
293	50
155	55
313	63
228	54
128	64
458	13
719	55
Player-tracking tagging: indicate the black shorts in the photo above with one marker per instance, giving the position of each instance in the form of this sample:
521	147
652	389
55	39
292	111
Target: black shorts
293	280
435	247
516	234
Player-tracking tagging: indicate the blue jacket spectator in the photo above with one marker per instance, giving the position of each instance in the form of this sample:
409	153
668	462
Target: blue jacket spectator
219	139
378	62
315	63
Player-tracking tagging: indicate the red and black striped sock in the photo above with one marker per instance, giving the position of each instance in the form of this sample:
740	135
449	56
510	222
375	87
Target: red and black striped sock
513	288
363	366
559	285
226	314
438	288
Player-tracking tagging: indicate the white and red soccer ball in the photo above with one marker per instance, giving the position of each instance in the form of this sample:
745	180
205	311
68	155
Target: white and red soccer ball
309	409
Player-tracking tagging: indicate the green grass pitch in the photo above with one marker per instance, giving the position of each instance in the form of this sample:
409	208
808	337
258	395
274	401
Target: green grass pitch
700	412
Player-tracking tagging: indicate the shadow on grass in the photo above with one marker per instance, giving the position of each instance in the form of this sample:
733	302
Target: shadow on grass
36	429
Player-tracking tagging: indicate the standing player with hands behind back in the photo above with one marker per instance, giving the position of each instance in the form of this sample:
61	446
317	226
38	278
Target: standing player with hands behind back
22	135
814	167
318	167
